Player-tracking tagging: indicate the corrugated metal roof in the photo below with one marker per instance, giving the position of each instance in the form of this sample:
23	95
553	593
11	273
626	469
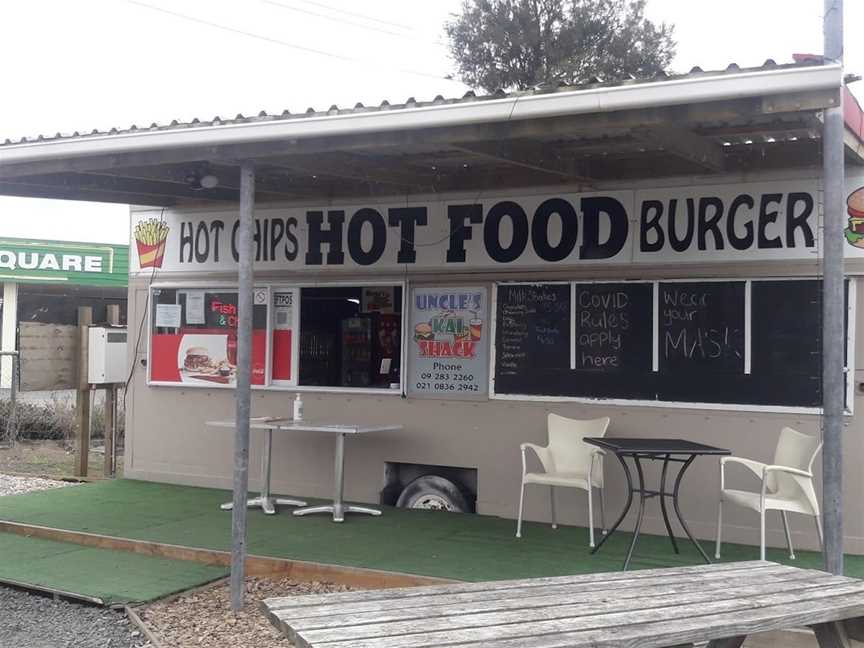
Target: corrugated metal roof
409	104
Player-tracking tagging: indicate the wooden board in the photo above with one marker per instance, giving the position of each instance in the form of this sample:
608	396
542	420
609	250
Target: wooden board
256	565
49	356
651	608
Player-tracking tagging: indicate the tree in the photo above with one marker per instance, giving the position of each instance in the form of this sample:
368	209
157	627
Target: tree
520	44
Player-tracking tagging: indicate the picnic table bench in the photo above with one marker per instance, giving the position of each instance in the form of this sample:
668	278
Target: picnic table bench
721	604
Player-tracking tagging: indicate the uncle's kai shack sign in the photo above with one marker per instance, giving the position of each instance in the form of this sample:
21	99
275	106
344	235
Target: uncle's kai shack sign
689	224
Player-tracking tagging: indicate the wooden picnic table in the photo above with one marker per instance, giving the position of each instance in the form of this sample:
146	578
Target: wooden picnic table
654	608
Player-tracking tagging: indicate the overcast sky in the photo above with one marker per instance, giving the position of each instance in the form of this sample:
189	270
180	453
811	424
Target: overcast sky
84	64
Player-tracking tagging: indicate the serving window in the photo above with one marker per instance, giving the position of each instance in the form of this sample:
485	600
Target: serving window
194	337
321	336
351	336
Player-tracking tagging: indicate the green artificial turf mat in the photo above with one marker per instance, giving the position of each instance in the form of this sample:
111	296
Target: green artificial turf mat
431	543
115	577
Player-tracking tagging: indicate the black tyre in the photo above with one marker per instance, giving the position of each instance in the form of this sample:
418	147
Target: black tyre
435	493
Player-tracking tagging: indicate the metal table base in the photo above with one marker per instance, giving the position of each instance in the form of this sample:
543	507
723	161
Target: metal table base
265	501
668	451
338	508
647	493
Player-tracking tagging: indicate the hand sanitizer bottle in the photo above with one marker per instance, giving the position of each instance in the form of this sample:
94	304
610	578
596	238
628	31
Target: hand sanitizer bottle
298	408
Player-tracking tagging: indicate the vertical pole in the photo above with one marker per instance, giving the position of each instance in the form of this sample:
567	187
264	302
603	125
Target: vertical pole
8	331
833	377
266	465
244	380
11	431
338	504
82	395
110	406
13	397
108	431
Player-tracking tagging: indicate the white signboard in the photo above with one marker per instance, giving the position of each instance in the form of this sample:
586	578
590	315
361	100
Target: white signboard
448	353
731	222
378	299
168	315
195	307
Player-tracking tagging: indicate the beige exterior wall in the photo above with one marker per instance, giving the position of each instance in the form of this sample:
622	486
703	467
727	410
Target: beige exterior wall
168	441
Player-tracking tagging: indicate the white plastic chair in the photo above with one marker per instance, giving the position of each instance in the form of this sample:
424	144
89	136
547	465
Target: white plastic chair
787	485
568	462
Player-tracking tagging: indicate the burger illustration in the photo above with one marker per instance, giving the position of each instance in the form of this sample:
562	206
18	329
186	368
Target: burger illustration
196	359
855	209
423	331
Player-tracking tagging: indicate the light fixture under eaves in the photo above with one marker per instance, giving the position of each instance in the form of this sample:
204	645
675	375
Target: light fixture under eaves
199	181
208	181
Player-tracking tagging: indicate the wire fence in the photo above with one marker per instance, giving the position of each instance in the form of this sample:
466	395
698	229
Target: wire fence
9	432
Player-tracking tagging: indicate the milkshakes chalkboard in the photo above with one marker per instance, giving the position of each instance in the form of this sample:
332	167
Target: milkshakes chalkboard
532	333
533	328
448	354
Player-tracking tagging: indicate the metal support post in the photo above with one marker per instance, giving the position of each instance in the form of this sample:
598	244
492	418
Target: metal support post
265	501
244	379
833	378
109	414
109	432
338	508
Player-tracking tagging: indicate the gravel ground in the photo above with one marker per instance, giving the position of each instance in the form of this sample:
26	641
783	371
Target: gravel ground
15	485
34	621
204	619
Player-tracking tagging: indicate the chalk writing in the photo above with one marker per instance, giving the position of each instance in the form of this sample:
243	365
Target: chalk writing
533	323
611	320
702	325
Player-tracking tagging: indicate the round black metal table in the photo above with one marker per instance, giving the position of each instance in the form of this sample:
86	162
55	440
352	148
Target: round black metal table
668	451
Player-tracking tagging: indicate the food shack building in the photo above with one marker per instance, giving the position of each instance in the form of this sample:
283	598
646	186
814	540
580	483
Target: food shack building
647	251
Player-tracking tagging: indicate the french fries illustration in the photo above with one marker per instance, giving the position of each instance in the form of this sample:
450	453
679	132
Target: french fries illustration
150	236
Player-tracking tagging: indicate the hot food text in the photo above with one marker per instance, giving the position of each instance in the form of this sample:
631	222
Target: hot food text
734	222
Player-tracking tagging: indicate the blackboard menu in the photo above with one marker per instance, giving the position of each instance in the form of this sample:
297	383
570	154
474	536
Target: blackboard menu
787	336
700	346
532	333
612	327
701	327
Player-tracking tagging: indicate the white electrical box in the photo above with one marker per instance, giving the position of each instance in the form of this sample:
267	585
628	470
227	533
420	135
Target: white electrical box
106	355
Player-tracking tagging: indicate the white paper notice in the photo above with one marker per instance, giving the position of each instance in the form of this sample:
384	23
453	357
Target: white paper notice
168	315
195	307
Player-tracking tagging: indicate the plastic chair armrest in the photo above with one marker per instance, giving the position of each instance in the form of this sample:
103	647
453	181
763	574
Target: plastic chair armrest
787	469
542	453
756	467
